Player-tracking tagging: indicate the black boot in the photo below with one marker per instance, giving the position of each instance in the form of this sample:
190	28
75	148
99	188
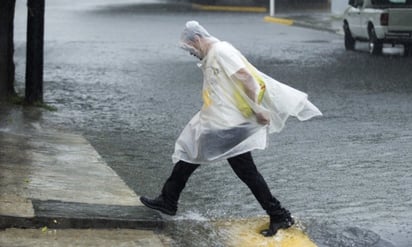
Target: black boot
246	170
159	204
279	220
169	197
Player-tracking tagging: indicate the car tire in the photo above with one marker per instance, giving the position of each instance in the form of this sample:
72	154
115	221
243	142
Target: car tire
407	50
210	2
375	45
265	3
349	40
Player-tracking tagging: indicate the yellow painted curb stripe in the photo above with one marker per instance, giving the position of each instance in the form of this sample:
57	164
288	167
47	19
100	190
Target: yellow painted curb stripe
230	8
279	20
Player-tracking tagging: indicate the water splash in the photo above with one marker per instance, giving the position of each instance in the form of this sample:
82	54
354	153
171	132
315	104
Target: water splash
328	234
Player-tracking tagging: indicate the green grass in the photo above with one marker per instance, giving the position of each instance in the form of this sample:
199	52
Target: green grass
19	100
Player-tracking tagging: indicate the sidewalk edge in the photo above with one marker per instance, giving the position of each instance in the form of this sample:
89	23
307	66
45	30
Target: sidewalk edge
76	223
278	20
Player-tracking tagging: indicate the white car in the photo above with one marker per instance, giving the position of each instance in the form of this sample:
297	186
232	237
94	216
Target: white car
378	22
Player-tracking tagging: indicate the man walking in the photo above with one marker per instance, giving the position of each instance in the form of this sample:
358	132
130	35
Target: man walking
241	106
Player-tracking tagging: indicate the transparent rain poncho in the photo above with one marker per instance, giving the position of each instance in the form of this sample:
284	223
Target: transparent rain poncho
227	125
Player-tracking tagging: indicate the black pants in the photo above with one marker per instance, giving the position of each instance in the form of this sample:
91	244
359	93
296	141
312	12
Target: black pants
242	165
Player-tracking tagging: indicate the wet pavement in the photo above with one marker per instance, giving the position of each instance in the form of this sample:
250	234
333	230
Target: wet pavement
119	79
316	20
57	180
45	237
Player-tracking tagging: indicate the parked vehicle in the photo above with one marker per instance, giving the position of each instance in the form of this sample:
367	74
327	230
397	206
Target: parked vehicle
378	22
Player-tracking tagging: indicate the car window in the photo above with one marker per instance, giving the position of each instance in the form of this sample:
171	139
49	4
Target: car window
356	3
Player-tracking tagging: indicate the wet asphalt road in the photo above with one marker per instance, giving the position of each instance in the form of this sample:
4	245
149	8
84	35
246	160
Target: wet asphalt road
117	75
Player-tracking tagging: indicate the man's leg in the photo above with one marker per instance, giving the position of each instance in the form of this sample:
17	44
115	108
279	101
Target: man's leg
166	202
246	170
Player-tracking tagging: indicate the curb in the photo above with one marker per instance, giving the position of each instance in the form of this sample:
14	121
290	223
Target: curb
298	23
278	20
67	215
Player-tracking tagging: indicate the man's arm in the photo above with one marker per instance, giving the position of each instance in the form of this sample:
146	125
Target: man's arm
251	88
249	83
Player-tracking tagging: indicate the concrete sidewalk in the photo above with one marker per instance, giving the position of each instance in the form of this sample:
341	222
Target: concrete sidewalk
44	237
51	179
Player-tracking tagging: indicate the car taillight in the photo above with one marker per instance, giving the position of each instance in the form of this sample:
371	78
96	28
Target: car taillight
384	19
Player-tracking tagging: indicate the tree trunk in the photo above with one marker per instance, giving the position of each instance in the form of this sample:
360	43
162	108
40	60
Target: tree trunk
6	48
35	43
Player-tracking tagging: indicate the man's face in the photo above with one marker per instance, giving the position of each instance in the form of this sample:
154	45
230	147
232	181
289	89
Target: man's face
193	47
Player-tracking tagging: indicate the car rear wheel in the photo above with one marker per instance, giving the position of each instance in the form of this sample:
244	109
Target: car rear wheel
407	50
375	45
211	2
349	40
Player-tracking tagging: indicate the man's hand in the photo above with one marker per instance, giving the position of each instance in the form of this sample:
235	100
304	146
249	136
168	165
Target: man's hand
262	118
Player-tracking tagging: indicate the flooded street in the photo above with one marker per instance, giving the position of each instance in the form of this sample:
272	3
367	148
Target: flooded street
116	75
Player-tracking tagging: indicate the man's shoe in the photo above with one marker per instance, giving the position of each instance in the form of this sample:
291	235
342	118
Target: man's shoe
282	221
159	204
